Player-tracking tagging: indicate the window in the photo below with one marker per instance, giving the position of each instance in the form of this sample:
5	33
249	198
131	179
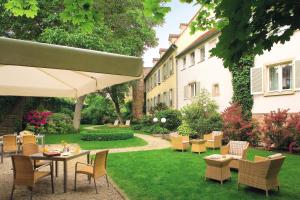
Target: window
158	98
215	90
184	62
192	89
192	57
280	77
158	76
202	53
170	66
164	100
171	98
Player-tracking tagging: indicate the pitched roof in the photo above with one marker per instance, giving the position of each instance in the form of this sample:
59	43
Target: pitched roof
201	39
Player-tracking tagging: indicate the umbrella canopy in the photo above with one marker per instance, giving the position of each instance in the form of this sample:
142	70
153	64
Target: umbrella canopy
37	69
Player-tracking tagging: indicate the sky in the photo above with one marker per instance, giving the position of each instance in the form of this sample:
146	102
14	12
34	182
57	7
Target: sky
180	13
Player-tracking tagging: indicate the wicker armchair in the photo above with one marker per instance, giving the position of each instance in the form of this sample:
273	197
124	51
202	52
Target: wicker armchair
214	139
237	150
98	169
10	144
26	175
179	143
29	149
261	173
29	139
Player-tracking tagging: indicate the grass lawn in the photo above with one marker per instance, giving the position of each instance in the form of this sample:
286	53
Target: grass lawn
88	145
167	174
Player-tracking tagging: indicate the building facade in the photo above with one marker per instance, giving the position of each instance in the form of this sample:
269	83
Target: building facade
161	81
197	70
275	78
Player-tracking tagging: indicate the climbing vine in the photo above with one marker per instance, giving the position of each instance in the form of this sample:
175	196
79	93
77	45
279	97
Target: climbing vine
241	84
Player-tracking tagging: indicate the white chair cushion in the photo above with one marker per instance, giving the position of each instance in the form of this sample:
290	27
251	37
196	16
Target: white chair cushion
234	156
277	155
209	140
215	133
237	147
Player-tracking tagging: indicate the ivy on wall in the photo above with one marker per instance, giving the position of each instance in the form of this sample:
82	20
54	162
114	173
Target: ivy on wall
241	84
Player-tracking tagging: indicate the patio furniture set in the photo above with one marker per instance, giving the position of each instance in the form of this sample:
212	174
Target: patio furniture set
28	164
262	173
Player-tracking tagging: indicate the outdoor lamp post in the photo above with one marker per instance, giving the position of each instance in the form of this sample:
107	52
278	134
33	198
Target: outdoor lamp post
155	120
163	120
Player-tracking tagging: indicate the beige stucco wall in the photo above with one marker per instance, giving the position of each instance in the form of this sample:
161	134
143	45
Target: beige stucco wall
166	85
279	52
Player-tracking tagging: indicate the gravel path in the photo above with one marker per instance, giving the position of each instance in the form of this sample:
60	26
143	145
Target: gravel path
85	191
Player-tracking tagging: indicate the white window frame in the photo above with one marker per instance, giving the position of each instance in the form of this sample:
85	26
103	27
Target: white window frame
281	65
204	58
184	62
192	58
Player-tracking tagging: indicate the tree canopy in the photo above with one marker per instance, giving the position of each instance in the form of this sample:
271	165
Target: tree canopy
248	27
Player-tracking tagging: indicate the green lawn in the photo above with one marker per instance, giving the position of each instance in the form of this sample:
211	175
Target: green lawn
167	174
88	145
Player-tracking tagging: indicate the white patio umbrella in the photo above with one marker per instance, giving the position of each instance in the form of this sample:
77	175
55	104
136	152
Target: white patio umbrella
45	70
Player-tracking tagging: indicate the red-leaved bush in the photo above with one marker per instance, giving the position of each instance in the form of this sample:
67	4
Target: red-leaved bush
276	129
36	118
293	125
235	127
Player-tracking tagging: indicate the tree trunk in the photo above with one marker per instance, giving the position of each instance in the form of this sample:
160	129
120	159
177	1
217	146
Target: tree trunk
138	99
115	100
77	113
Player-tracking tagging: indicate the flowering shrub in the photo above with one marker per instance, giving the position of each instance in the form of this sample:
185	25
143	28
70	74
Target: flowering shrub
235	127
37	120
276	128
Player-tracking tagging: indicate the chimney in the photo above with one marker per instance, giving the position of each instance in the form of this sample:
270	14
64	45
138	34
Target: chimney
173	38
162	51
183	26
155	60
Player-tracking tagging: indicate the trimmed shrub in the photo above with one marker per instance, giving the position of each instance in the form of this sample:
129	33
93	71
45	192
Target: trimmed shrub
60	123
235	127
107	136
293	125
173	118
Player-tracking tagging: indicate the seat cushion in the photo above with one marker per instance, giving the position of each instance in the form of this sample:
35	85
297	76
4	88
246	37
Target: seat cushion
85	169
215	133
234	156
277	155
40	174
237	147
209	140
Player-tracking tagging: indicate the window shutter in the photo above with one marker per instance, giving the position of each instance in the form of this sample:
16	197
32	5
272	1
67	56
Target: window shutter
185	92
297	74
256	74
197	88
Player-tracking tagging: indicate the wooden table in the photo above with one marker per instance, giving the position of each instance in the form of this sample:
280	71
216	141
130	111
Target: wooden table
64	159
198	146
217	167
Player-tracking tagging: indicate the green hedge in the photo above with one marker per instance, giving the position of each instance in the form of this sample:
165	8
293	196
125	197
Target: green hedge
107	136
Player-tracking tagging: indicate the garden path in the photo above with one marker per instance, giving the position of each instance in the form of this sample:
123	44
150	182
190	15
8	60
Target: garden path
154	143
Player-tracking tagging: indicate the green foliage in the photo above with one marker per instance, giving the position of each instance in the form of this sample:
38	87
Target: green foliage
248	27
109	136
28	8
202	114
172	116
159	107
127	110
241	85
97	110
60	123
7	104
185	129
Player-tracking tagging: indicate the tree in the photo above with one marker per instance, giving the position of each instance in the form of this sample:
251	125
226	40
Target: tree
105	25
248	27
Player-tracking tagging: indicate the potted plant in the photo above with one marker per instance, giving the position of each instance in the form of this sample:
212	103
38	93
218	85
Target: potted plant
185	131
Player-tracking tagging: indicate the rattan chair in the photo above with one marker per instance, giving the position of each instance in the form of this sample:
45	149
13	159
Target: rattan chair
213	140
27	139
29	149
26	175
237	150
262	173
97	170
179	143
10	144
